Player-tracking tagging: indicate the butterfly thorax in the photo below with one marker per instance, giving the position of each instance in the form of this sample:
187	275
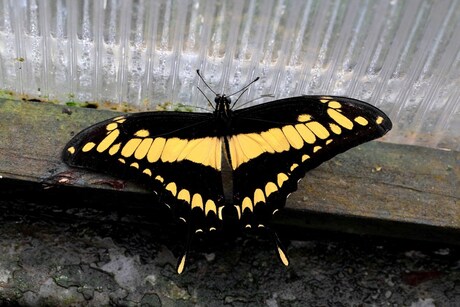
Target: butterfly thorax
223	112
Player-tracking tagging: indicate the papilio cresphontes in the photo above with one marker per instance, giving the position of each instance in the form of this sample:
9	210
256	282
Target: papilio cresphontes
268	147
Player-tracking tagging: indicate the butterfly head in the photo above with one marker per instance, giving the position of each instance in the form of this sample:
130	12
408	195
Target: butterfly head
223	105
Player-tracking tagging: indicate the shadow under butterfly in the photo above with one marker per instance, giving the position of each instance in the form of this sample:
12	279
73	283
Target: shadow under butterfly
268	148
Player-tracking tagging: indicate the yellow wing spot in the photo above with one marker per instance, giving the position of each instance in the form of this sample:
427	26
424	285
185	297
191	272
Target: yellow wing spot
142	133
88	146
361	120
130	147
121	120
181	266
328	141
334	128
327	98
118	118
171	187
324	100
293	136
304	118
244	149
156	149
334	104
259	196
276	139
159	178
184	195
114	149
318	129
247	204
305	133
305	158
143	148
282	255
111	126
206	151
210	206
197	201
238	211
71	150
294	166
122	160
135	165
340	119
316	148
281	178
147	172
379	120
220	213
172	149
108	140
270	187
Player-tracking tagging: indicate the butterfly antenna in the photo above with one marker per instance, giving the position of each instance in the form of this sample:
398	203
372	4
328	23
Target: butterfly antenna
207	85
233	105
209	101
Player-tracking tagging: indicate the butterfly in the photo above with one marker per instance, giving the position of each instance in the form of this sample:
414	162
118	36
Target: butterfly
267	147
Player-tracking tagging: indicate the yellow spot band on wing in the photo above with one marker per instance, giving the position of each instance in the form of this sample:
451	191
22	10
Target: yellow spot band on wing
259	196
71	150
143	148
184	195
135	165
156	149
304	118
316	148
114	149
111	126
270	187
171	187
197	201
159	178
130	147
334	104
282	255
108	140
210	206
88	146
142	133
305	158
293	136
281	178
247	204
318	129
361	120
172	149
379	120
147	172
334	128
305	133
340	119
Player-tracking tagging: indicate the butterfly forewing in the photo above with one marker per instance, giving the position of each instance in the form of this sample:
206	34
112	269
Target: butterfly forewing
170	153
274	144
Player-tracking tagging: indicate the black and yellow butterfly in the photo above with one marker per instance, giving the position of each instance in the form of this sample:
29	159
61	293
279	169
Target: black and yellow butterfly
268	147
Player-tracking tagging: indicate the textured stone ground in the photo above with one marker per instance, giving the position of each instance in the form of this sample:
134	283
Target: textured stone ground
55	256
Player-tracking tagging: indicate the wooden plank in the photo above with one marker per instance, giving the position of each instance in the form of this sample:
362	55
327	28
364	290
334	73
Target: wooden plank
365	190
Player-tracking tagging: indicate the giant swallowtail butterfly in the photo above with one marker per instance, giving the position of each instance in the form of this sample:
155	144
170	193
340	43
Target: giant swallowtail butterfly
268	148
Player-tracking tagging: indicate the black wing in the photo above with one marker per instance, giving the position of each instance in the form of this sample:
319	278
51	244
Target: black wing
177	155
272	146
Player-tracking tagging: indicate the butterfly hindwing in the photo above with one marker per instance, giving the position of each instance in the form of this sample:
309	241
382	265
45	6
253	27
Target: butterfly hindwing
274	144
171	153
